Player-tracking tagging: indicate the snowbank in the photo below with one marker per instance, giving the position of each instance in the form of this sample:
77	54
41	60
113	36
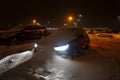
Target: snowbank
13	60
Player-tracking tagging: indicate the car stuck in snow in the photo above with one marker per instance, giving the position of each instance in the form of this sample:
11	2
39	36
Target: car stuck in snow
22	33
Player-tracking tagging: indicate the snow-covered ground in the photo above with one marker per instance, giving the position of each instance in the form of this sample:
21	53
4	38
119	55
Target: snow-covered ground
12	60
100	62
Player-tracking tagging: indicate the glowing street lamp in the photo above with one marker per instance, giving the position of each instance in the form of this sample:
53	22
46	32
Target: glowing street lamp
34	21
70	18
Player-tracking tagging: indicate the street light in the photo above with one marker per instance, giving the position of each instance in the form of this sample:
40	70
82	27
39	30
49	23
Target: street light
80	15
34	21
70	18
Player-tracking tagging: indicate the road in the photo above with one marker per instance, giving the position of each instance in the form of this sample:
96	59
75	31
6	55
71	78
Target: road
100	62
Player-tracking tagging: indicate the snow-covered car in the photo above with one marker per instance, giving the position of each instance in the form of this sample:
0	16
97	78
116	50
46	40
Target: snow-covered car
74	46
23	33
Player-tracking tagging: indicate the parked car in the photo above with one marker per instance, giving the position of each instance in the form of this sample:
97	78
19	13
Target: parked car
75	46
23	33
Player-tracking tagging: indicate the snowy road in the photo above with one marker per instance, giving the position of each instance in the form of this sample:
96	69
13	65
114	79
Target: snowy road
100	62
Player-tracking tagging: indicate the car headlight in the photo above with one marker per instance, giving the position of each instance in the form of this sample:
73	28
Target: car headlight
61	48
35	48
35	45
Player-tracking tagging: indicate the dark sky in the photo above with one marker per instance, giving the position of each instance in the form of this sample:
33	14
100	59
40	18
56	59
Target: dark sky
56	11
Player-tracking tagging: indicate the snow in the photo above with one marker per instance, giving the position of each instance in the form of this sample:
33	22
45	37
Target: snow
100	62
16	54
97	63
14	60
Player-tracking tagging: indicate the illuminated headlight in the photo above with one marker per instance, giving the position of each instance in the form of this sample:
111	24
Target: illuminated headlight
61	48
35	45
35	48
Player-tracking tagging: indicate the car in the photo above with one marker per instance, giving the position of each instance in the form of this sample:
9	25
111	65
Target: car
75	46
23	33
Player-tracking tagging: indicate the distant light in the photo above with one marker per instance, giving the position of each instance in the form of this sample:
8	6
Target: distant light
65	24
70	18
119	18
48	22
80	15
38	24
34	21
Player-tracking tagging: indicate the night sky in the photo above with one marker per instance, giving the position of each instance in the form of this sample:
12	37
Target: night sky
94	12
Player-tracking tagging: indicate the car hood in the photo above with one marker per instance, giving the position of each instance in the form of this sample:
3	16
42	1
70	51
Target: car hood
63	36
